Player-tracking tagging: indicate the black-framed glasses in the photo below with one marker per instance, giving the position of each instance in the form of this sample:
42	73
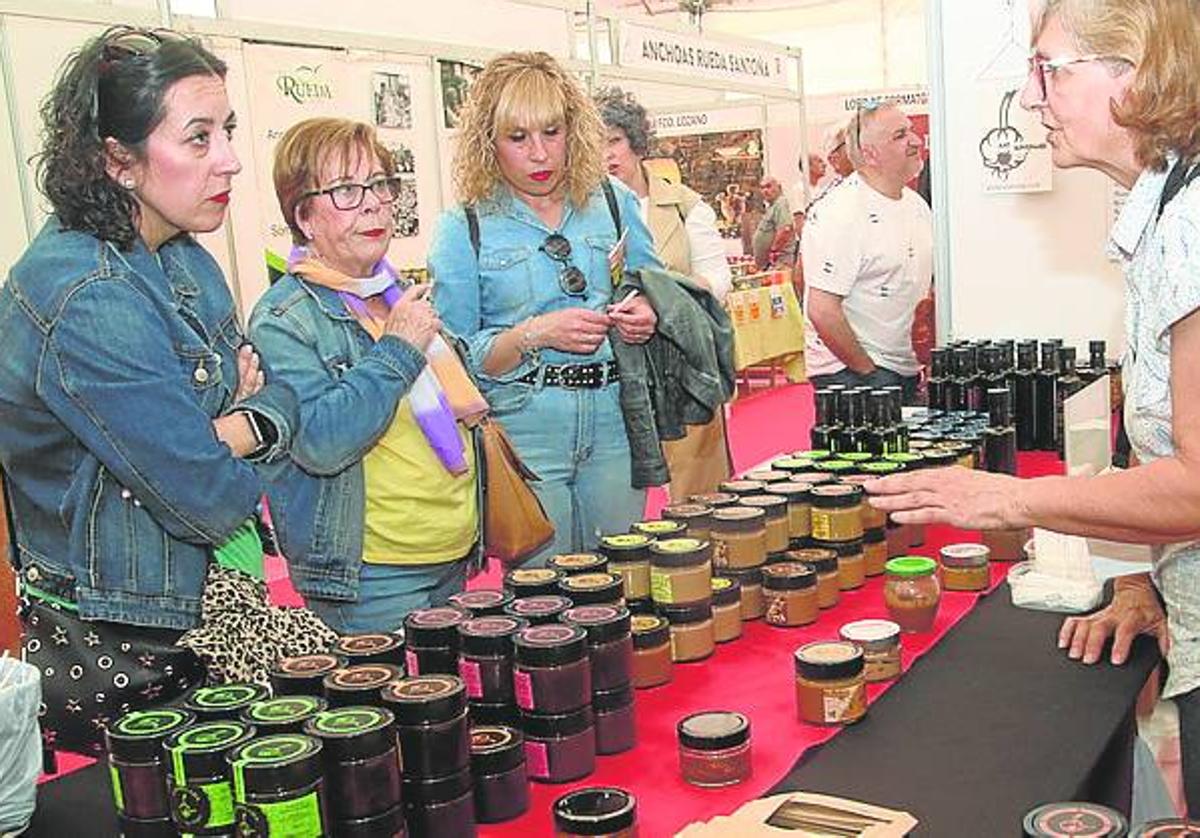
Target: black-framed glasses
349	196
1041	68
570	279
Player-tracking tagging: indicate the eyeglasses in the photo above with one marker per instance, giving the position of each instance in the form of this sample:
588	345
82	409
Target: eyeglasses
349	196
869	106
570	279
1041	68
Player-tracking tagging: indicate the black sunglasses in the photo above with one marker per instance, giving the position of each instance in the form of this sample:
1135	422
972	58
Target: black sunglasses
570	279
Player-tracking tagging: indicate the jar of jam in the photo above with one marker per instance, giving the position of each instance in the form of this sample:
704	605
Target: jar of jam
303	674
539	610
753	602
739	536
912	593
532	581
830	688
680	570
629	555
651	651
371	648
715	499
714	748
880	644
551	671
875	550
498	771
851	561
484	602
486	657
431	640
825	564
559	747
665	528
742	488
775	509
790	589
965	567
431	723
610	643
583	813
837	512
767	475
697	516
570	564
359	684
727	609
799	511
692	636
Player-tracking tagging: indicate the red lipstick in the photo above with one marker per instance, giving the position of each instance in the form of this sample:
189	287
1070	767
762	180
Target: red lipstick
540	177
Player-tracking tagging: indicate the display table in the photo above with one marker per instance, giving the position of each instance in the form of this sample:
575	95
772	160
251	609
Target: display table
761	335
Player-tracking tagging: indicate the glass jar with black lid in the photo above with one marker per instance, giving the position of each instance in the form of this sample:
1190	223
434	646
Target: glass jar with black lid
486	656
432	640
610	642
431	723
498	769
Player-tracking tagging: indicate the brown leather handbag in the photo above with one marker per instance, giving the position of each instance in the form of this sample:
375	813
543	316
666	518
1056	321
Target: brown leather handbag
515	523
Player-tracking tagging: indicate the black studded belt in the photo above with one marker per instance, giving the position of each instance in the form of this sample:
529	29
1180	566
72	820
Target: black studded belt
573	376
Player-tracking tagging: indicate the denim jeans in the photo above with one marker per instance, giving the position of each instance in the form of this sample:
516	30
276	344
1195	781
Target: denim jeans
878	379
387	592
575	441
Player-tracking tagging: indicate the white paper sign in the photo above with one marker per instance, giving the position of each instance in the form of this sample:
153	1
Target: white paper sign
1013	154
707	121
643	46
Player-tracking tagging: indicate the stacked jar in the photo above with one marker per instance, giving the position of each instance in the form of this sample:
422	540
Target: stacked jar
739	537
138	767
912	535
775	520
485	664
837	525
797	493
610	652
824	563
681	587
431	640
697	516
874	522
628	555
571	564
371	648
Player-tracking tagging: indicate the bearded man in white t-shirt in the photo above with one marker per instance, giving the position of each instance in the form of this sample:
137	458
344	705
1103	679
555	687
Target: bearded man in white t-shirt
868	259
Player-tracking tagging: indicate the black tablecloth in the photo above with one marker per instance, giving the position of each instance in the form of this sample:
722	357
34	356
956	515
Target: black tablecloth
994	720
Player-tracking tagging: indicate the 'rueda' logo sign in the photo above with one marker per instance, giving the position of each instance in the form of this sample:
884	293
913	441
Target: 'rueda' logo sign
303	84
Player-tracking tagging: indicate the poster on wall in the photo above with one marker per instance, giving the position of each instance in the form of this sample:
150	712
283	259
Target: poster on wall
725	167
391	100
456	79
1013	153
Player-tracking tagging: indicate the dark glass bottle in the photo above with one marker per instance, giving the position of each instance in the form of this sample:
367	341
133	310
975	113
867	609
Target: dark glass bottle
824	429
879	436
1066	385
896	417
1097	366
1044	383
850	422
964	378
936	385
992	368
1024	405
1000	437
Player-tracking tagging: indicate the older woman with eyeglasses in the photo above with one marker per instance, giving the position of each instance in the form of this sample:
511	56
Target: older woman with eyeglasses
1117	85
372	522
524	270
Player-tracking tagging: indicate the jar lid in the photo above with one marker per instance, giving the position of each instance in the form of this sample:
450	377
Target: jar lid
663	528
285	761
739	518
282	711
1079	820
496	749
605	701
426	699
857	457
544	608
224	699
569	563
713	730
842	548
593	588
741	487
649	630
552	644
874	535
138	735
965	555
744	576
910	566
532	581
361	678
485	602
602	623
726	591
306	667
556	725
491	636
199	751
908	460
714	499
796	491
351	733
690	512
836	496
432	628
838	466
1169	828
939	457
601	810
680	552
797	465
788	576
819	559
871	635
687	612
625	547
813	454
768	475
369	648
773	506
829	660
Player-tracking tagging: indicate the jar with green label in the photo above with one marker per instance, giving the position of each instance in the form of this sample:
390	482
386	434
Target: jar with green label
629	555
202	799
362	763
775	510
224	701
285	714
697	516
727	609
278	787
739	535
680	571
663	528
135	761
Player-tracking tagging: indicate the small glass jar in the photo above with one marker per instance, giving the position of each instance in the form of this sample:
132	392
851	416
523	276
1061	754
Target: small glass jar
651	651
431	723
532	581
486	656
835	468
1168	828
965	567
799	509
610	643
837	512
692	636
872	518
371	648
440	805
303	674
714	748
680	570
629	555
851	561
431	640
601	588
224	701
1092	820
661	529
912	593
767	476
790	589
739	535
716	500
359	684
279	786
727	609
825	564
753	603
498	771
875	550
559	748
603	811
697	516
1006	545
483	602
199	785
775	509
880	644
830	687
539	610
551	669
285	714
616	731
742	488
137	764
570	564
361	761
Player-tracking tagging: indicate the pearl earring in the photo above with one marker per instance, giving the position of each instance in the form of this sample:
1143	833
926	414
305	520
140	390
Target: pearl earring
127	183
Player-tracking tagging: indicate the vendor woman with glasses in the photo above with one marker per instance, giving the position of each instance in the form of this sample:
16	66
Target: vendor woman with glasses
523	269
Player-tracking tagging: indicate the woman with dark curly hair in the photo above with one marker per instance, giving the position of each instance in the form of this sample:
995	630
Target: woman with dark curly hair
131	409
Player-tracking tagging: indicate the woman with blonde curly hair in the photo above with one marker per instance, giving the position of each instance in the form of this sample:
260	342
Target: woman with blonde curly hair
523	271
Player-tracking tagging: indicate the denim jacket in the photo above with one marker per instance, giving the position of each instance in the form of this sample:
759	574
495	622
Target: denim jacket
113	368
348	386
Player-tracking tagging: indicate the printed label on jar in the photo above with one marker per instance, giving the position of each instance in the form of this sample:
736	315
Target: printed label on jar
468	670
537	760
777	611
204	806
720	555
411	665
660	586
844	703
118	793
523	688
822	526
300	817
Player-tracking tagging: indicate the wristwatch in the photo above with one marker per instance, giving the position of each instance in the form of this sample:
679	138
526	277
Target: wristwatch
263	430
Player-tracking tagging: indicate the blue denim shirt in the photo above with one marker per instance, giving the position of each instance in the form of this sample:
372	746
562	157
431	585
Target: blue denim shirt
348	386
513	280
114	366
